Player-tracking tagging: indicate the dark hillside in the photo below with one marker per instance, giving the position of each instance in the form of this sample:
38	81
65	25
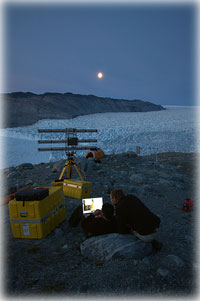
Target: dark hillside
27	108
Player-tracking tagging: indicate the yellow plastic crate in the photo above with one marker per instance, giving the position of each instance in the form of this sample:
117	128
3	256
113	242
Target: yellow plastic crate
36	219
57	183
76	188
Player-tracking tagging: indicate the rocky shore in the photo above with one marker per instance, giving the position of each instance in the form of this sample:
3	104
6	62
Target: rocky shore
55	267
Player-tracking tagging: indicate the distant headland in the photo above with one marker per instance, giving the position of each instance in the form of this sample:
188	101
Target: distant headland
26	108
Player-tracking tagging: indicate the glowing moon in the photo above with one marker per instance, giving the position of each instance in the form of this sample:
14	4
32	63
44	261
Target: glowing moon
100	75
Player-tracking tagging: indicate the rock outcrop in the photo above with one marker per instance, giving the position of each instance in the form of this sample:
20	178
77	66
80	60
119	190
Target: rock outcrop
27	108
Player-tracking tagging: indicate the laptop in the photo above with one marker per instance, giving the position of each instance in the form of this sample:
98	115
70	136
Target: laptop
91	204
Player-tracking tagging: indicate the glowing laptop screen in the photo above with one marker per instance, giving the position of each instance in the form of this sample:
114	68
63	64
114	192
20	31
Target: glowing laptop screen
91	204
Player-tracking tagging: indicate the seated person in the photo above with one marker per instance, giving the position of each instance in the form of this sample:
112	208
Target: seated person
134	217
98	223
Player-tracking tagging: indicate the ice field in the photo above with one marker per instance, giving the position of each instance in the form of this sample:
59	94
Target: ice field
174	129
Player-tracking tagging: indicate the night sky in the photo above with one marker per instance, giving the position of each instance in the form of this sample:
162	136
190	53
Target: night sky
145	52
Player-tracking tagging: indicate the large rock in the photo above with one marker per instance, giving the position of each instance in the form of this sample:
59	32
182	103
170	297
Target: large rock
14	175
115	245
25	166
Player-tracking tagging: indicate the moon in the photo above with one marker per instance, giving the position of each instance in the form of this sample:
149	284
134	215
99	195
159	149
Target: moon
100	75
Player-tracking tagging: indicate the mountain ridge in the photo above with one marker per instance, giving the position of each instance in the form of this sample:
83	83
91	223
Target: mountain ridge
26	108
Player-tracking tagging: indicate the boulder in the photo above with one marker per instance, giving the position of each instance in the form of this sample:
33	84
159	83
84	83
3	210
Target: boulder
115	245
29	182
14	175
25	166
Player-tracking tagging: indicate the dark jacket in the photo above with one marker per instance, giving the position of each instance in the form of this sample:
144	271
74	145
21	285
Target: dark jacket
132	214
94	226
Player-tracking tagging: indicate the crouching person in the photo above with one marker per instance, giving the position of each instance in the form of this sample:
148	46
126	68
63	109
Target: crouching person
134	217
98	223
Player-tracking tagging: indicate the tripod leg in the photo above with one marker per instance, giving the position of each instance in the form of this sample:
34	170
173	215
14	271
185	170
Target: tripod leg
63	171
78	171
69	171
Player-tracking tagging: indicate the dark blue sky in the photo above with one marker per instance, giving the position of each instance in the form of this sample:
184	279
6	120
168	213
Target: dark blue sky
145	52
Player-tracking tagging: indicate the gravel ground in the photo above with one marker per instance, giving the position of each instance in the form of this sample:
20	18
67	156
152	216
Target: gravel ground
54	267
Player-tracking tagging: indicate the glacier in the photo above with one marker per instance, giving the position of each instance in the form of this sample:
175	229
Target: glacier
172	130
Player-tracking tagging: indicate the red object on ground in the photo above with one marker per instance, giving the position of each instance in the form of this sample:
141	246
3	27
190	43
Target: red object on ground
187	205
